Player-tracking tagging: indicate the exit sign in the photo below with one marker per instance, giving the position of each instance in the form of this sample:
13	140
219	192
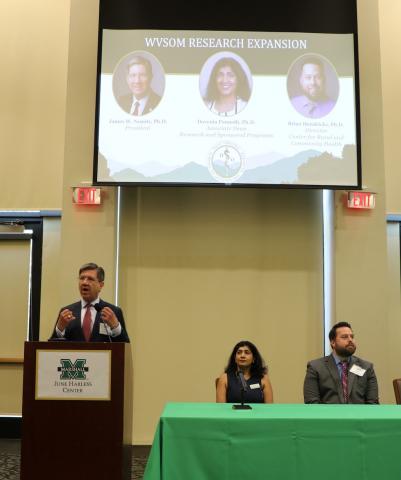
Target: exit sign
86	196
361	200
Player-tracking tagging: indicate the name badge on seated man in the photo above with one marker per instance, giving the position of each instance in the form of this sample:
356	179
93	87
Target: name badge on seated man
357	370
102	329
254	386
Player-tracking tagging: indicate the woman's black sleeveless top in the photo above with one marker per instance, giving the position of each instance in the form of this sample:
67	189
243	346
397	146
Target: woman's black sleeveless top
254	394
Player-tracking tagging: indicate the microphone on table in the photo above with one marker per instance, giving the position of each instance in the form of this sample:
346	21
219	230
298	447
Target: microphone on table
244	385
98	308
244	388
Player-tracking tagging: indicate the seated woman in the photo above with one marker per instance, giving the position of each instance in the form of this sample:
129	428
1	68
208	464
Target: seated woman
245	357
228	88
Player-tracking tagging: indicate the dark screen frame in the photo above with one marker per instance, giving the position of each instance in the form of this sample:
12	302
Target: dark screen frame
311	16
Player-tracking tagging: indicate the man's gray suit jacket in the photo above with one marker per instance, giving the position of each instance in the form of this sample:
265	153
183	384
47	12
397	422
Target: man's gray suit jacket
323	384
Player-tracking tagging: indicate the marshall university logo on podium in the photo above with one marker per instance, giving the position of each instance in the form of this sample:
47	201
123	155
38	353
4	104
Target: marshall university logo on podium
72	371
73	375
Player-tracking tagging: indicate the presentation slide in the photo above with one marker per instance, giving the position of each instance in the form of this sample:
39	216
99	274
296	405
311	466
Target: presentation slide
229	108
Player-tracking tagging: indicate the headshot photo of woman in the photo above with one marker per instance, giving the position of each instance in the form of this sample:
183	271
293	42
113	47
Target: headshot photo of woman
246	358
228	87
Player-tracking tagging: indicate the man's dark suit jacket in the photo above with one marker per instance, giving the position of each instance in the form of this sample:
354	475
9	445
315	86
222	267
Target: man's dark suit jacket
125	102
323	384
74	333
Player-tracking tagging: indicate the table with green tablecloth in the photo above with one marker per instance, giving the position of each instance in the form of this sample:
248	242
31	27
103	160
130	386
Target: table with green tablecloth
209	441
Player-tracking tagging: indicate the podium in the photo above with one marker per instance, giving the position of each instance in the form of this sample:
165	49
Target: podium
77	411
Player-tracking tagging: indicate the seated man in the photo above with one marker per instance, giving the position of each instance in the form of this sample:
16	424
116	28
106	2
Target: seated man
91	319
340	377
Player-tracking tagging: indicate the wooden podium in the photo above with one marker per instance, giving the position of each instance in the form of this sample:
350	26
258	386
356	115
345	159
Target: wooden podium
85	435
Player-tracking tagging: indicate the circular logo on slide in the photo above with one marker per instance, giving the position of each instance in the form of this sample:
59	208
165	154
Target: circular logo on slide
226	163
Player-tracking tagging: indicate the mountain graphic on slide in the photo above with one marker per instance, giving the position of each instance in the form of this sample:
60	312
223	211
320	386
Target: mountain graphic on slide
128	175
281	171
284	170
189	173
150	169
263	160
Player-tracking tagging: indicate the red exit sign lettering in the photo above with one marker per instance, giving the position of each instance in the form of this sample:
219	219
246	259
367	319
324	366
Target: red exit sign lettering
86	196
361	200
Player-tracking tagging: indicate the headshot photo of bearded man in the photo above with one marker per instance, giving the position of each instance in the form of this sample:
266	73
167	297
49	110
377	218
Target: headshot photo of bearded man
313	86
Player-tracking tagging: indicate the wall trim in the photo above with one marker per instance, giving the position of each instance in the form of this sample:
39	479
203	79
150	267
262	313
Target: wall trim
393	217
30	213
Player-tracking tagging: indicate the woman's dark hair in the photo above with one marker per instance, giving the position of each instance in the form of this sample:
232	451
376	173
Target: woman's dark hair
243	88
258	367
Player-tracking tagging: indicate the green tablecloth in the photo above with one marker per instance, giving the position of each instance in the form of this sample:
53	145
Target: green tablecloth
208	441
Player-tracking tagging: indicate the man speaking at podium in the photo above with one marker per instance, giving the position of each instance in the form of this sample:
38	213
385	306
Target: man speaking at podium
91	319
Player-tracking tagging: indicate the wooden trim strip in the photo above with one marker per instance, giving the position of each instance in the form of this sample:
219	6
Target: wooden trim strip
11	360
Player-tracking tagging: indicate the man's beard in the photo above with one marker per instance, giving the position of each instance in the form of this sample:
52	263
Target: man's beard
345	352
316	97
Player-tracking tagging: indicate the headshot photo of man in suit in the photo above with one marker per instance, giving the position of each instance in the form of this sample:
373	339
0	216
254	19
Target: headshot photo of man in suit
90	319
312	99
142	99
341	377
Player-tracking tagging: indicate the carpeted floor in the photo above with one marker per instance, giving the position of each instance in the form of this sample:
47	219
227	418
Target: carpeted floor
10	460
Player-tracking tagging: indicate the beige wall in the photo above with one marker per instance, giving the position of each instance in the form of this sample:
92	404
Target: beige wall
11	397
50	298
390	40
393	323
14	284
33	65
390	17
